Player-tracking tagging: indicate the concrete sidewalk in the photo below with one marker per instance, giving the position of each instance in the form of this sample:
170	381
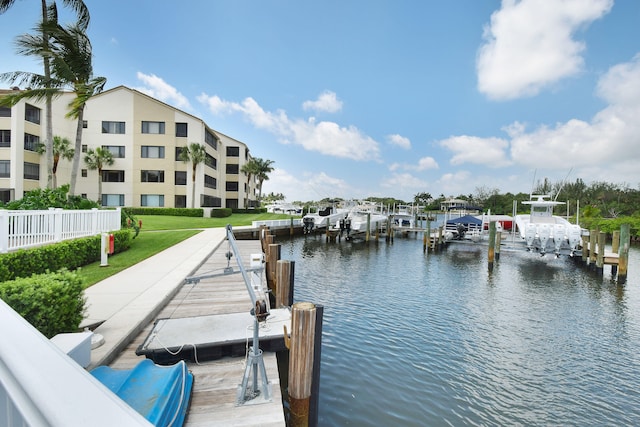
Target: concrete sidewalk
126	302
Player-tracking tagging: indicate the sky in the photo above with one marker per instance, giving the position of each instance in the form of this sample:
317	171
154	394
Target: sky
386	98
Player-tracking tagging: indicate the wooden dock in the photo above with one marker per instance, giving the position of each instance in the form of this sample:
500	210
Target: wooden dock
216	382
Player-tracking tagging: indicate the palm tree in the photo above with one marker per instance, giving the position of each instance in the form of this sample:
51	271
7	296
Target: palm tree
196	154
61	149
263	168
251	169
72	65
45	87
96	159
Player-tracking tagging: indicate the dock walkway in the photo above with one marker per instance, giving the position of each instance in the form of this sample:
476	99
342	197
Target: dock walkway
132	301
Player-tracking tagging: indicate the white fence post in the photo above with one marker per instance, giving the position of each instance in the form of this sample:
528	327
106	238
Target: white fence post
4	231
57	225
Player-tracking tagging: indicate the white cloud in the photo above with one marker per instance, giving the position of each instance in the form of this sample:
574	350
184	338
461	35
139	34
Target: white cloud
530	45
424	163
309	187
159	89
324	137
612	137
490	152
452	184
327	102
404	184
399	140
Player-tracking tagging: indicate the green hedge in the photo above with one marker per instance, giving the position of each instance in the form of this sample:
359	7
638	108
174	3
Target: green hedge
53	303
69	254
197	213
249	210
221	212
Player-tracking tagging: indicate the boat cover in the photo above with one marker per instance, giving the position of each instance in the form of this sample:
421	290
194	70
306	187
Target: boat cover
466	220
159	393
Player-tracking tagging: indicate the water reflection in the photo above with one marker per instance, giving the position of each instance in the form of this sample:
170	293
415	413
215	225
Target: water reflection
418	339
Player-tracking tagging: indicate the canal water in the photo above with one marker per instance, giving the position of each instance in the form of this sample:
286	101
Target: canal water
414	339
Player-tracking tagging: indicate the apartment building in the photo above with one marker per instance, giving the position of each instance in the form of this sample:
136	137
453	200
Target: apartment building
145	137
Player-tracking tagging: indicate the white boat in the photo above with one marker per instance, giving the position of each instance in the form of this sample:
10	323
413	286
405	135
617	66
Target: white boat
284	208
404	217
329	216
544	232
361	215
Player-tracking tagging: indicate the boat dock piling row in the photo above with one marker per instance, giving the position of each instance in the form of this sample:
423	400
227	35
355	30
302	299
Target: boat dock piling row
305	343
595	257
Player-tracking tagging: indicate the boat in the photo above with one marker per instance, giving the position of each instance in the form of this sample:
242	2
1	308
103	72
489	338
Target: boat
360	215
328	216
544	232
404	217
466	227
282	207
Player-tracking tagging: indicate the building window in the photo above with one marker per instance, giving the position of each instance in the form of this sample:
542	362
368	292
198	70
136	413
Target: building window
181	178
180	201
210	161
112	176
113	127
83	195
84	148
178	151
233	169
153	127
210	182
152	152
232	203
5	138
5	168
31	171
85	124
210	201
83	172
151	176
181	130
32	114
210	139
153	200
232	186
31	142
113	200
233	151
117	151
5	112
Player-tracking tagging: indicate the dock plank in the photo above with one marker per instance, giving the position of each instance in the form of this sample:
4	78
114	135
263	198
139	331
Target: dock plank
216	382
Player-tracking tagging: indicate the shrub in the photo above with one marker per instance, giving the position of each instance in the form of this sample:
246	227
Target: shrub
53	302
196	212
40	199
69	254
221	212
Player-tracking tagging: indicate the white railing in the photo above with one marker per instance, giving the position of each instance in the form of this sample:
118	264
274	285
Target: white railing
42	386
277	223
26	229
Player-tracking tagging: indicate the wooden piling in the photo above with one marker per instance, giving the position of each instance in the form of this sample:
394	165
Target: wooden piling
623	260
291	227
273	255
602	238
593	239
585	250
301	361
284	278
492	244
498	242
615	248
367	234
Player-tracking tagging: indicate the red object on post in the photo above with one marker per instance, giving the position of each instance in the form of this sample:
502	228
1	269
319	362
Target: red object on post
140	223
111	244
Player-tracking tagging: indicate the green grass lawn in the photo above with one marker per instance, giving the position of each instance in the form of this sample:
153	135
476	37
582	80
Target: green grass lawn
158	222
159	233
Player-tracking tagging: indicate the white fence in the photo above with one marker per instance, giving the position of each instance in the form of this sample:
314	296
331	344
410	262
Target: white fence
26	229
278	223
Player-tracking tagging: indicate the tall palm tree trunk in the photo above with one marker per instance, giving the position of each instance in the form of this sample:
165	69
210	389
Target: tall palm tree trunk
48	142
75	164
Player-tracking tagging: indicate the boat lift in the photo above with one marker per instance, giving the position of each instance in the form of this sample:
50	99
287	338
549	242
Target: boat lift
260	311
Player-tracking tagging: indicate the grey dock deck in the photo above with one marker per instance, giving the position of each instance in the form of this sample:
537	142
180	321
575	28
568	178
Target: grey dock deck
216	382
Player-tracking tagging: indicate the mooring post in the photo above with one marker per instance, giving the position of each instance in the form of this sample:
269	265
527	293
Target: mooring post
623	256
367	234
301	361
602	238
593	238
291	227
492	244
284	280
498	241
615	248
273	255
585	250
